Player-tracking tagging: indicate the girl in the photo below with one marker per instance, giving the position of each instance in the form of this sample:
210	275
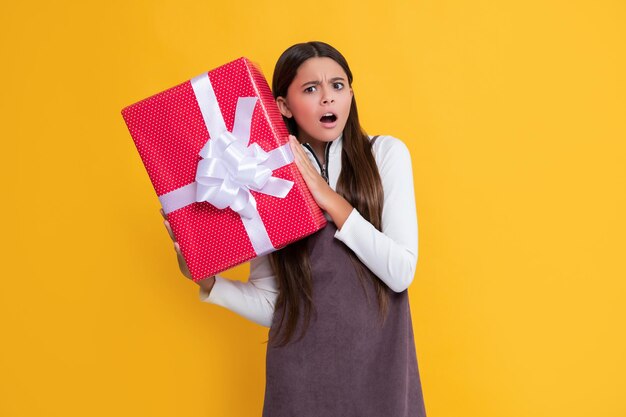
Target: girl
341	337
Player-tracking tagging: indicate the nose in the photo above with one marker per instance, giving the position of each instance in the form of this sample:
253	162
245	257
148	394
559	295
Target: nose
327	98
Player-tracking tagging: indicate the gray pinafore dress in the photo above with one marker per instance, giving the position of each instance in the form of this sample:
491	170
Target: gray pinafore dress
346	364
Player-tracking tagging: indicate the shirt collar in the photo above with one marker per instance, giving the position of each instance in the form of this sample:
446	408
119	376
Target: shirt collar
335	145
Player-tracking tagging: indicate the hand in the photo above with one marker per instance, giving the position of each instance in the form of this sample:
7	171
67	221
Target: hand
182	264
207	283
321	191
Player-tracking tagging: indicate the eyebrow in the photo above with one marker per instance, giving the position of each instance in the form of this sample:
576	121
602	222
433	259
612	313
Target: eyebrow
319	82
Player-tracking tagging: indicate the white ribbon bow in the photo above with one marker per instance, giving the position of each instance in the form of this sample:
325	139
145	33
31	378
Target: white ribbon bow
229	168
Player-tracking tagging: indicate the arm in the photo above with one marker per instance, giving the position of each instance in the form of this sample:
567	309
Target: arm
253	300
391	254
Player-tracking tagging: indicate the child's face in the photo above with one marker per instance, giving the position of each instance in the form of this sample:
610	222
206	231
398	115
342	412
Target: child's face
320	87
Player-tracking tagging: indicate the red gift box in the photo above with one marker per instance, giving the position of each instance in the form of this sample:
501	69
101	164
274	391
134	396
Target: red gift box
217	153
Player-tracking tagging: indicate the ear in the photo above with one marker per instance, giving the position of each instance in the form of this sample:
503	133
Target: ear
283	107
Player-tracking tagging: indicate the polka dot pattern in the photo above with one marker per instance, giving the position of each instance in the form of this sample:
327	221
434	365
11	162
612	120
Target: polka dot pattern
168	131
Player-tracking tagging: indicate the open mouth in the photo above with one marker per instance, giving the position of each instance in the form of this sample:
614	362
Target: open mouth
328	118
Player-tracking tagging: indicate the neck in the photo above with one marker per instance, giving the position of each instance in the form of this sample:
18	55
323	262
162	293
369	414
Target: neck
319	147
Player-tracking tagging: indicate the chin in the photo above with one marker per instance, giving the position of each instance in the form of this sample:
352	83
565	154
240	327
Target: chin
326	135
330	135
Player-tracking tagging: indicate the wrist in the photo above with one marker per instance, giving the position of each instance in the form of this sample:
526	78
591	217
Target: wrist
329	199
339	210
207	283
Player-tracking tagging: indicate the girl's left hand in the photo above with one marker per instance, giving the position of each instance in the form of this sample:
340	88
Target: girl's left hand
320	190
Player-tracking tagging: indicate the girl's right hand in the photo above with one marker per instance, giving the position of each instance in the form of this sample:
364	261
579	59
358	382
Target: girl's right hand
182	264
207	283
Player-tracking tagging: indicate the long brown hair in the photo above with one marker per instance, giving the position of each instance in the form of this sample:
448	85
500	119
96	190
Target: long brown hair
359	182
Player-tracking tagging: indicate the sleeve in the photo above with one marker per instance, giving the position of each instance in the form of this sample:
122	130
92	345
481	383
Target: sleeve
391	254
253	300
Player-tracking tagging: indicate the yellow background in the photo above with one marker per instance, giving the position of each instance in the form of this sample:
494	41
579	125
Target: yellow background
514	115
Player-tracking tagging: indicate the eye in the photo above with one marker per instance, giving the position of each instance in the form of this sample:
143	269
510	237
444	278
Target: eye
339	84
306	90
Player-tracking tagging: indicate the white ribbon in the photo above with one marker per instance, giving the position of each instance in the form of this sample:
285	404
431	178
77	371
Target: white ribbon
229	168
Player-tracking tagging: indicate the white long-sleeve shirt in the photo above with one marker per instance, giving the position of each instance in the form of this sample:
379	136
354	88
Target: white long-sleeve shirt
391	254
